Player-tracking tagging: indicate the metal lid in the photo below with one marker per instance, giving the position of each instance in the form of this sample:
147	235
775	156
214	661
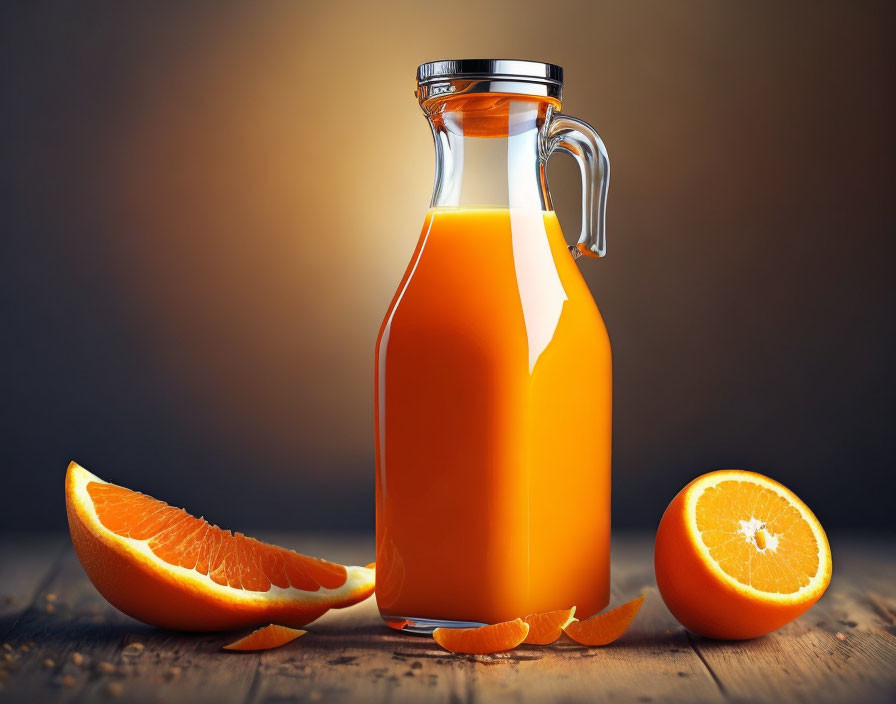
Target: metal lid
485	69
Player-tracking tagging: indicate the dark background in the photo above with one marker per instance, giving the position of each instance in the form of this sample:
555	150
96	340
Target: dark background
206	208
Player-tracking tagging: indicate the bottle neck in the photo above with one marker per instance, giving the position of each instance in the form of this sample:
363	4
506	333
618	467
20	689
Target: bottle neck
490	152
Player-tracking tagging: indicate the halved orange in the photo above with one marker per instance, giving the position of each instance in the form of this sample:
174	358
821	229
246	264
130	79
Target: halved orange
546	627
265	638
482	640
605	627
738	555
167	568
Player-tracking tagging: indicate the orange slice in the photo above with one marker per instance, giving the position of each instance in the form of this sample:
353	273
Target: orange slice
546	627
738	555
164	567
265	638
484	639
605	627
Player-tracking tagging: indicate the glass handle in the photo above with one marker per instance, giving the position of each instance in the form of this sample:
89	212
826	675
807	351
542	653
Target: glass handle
582	143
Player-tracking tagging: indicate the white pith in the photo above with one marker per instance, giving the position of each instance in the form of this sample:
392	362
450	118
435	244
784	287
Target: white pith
355	577
750	527
749	530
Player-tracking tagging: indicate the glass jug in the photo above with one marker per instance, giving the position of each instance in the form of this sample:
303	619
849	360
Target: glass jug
493	368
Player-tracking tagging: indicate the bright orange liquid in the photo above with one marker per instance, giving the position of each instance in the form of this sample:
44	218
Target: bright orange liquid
493	426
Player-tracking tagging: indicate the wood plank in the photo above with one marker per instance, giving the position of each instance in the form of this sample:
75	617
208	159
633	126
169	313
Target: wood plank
70	645
80	653
351	651
350	656
25	562
840	651
348	651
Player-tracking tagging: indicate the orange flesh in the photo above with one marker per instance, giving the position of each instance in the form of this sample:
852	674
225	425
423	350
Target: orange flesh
483	640
272	636
757	536
606	627
481	395
228	559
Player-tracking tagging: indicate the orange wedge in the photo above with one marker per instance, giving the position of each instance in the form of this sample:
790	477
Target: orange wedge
605	627
484	639
272	636
164	567
738	555
546	627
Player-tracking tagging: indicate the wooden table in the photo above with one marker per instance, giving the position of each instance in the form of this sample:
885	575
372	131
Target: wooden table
61	642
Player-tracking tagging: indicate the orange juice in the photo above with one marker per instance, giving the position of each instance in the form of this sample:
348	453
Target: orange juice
493	395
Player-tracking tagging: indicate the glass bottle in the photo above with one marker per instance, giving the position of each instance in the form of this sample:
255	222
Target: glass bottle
493	368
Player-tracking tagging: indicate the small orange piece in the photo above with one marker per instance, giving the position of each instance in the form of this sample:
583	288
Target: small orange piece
546	627
164	567
738	555
484	639
605	627
398	625
265	638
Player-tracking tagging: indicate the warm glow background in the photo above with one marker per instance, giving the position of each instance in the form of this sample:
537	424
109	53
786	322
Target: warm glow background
207	207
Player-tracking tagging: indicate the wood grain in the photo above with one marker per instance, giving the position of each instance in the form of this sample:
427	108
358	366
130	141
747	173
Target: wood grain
66	644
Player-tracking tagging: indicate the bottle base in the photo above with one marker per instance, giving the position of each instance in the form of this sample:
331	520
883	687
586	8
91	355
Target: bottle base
425	626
